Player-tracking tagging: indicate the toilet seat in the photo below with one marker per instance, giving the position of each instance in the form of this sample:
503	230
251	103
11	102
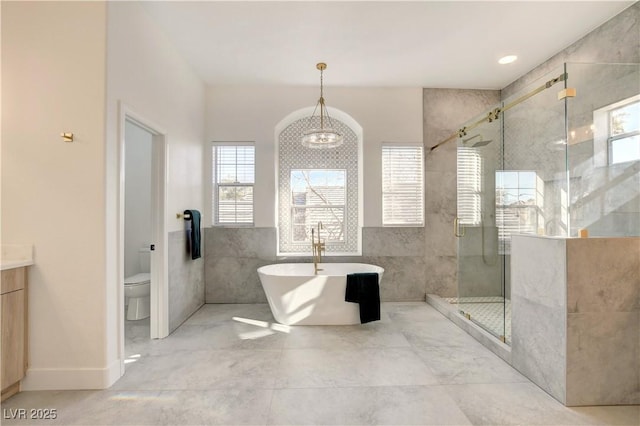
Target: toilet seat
138	279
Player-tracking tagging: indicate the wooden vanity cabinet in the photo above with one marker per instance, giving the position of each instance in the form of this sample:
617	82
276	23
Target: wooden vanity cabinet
13	322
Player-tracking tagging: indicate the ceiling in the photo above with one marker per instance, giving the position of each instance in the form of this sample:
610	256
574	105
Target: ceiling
453	44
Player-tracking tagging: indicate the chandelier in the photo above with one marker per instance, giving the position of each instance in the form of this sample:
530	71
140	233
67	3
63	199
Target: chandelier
324	136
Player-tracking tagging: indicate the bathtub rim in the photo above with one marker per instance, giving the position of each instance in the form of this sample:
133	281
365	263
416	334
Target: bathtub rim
263	269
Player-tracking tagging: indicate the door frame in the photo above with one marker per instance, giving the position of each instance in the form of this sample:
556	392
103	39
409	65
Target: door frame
159	320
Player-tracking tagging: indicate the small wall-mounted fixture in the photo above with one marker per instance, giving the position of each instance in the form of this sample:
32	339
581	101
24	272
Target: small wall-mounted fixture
67	137
185	216
569	92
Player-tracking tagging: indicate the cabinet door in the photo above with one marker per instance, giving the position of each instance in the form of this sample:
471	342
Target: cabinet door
13	327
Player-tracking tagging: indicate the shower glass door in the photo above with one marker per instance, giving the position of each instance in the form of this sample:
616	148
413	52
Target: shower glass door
481	292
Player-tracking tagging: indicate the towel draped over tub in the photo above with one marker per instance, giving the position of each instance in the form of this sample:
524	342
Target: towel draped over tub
363	288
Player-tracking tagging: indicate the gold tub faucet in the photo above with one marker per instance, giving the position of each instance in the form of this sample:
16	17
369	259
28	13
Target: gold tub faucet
317	248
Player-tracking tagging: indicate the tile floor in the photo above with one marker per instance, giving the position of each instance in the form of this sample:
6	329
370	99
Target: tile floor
230	364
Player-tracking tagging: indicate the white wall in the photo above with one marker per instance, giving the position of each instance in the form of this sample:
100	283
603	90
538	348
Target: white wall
137	203
65	67
145	72
53	81
251	114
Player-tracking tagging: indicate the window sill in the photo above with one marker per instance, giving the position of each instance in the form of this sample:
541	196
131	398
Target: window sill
282	256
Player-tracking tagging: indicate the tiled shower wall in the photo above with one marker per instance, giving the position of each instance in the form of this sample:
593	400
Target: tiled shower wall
445	111
234	255
186	280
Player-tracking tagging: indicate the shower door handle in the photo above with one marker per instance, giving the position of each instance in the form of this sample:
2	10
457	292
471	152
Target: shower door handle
458	230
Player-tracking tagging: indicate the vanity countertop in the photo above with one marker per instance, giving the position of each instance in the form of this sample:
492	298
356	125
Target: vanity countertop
16	256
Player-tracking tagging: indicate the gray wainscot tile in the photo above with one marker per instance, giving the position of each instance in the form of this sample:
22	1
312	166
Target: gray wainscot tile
234	280
241	242
593	341
186	280
538	348
441	275
440	240
603	275
538	270
390	241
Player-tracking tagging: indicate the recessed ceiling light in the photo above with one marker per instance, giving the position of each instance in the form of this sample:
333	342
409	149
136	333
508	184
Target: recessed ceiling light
507	59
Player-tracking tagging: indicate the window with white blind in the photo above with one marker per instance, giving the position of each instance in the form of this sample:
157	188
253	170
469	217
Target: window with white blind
469	186
402	185
233	179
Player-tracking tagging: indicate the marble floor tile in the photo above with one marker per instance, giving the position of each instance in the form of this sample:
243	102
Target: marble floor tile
307	368
236	406
370	335
201	370
453	365
411	312
231	364
68	406
438	333
621	415
519	404
227	335
215	313
386	405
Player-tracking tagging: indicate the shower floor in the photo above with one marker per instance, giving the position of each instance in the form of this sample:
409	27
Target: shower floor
491	313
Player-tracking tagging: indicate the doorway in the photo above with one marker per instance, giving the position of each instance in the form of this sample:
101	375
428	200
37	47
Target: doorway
142	248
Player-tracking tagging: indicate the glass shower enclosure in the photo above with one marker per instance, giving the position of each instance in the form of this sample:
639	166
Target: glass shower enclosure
560	158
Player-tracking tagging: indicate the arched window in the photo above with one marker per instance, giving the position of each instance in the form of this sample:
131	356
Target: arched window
319	185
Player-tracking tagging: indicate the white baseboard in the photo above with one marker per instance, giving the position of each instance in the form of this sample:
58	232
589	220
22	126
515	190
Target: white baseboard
71	378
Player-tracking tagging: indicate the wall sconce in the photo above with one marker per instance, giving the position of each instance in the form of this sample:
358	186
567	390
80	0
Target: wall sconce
67	137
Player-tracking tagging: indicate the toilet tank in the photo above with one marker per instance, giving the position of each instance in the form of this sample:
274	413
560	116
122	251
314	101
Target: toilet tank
144	257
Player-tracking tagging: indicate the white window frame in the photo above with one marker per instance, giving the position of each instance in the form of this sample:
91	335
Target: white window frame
502	210
216	185
613	138
388	222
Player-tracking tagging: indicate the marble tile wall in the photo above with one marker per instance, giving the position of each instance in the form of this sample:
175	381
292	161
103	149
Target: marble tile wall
603	321
234	255
576	317
445	110
538	311
596	47
186	280
480	264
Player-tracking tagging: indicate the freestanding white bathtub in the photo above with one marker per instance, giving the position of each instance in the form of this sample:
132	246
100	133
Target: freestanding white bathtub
299	297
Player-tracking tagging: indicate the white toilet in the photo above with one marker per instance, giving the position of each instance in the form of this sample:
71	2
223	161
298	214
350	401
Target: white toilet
137	289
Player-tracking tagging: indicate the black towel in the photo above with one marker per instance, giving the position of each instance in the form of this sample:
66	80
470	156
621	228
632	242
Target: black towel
193	233
363	288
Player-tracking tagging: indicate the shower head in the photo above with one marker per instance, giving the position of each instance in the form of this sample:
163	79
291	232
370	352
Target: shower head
480	143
